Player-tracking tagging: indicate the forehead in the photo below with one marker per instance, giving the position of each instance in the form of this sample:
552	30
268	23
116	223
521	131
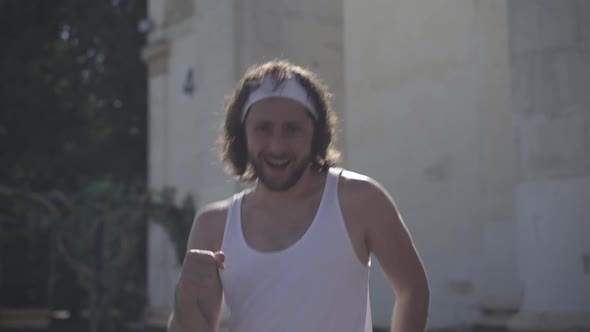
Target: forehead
277	110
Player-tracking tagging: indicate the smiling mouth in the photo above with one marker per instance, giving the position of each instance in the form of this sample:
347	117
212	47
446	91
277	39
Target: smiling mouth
276	164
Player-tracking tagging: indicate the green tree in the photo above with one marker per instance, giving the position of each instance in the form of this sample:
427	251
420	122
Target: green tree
72	114
72	93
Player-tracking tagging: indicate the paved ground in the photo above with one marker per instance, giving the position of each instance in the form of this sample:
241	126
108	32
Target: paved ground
79	328
82	326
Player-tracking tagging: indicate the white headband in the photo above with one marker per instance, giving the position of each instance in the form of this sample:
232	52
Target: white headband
289	88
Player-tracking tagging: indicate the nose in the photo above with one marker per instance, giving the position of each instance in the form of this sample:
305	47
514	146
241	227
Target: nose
277	144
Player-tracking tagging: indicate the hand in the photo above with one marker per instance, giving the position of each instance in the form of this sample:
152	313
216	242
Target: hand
206	256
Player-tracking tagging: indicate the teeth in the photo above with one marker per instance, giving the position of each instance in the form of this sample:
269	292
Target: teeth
277	163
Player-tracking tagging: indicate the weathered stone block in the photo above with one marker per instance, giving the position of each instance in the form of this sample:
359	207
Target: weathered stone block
552	149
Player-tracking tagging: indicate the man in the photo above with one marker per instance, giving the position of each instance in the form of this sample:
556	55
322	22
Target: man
292	252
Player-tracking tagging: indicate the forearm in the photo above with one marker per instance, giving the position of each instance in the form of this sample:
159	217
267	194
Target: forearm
189	323
189	316
410	311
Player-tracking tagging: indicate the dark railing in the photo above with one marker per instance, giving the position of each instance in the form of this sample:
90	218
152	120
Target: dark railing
83	254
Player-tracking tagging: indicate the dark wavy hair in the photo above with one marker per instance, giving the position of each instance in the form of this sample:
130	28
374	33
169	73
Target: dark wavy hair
232	139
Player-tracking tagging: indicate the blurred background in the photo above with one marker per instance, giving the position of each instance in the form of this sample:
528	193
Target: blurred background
473	114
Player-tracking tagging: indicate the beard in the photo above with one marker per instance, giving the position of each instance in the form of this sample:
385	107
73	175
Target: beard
294	171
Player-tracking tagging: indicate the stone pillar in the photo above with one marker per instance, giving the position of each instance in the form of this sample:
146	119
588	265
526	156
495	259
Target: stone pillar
550	61
162	267
190	58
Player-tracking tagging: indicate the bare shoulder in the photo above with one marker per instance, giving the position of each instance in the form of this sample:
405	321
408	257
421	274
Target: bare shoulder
213	213
366	202
208	226
359	189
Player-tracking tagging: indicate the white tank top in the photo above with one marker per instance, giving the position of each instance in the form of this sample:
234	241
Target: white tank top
317	284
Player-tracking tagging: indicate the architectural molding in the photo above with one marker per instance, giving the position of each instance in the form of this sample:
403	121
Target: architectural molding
550	322
156	55
178	11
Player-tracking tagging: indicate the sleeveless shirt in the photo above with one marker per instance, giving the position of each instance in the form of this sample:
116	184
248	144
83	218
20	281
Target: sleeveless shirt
316	284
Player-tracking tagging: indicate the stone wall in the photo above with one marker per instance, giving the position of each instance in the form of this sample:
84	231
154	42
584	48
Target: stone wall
428	115
550	60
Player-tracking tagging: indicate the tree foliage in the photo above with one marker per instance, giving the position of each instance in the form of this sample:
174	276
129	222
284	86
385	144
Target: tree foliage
72	93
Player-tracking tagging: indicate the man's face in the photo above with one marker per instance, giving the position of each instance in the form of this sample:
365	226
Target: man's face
279	133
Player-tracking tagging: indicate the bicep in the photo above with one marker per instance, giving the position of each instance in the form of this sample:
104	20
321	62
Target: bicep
390	242
207	230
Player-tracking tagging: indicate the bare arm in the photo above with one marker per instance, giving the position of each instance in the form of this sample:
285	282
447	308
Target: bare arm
388	239
187	317
198	294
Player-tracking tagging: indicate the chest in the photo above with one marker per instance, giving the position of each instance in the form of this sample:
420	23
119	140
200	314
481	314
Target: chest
270	229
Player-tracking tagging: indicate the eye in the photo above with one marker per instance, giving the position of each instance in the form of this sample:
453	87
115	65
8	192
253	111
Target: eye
292	128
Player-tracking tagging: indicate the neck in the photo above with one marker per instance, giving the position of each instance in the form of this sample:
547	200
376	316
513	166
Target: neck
300	190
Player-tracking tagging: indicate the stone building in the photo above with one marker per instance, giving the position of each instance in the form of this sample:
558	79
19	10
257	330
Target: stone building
474	114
